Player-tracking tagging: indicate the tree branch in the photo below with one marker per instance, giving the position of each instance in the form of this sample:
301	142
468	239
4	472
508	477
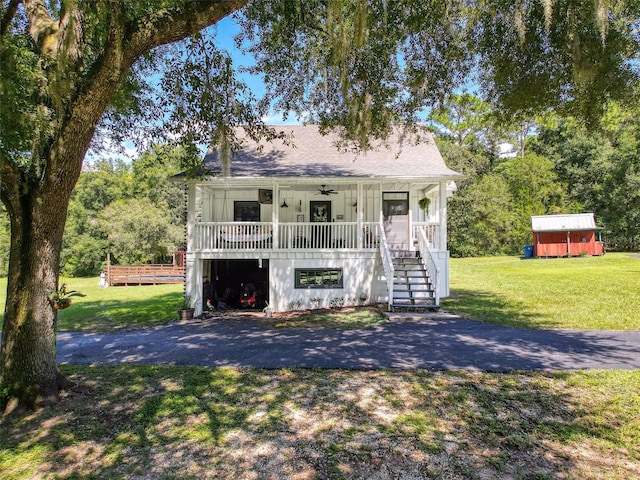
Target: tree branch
42	28
8	16
174	24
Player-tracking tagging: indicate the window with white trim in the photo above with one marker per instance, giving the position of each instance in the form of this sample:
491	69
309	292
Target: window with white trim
318	278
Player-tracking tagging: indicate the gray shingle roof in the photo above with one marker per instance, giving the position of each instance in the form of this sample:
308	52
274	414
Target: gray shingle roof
312	154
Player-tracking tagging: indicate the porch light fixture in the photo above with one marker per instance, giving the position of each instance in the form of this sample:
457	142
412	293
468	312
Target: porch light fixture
284	204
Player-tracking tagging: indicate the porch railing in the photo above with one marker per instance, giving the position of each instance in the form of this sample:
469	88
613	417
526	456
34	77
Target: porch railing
144	274
291	236
318	235
233	236
429	263
387	264
431	231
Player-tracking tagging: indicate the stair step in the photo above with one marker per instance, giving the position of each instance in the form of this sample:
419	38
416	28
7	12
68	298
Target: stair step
413	299
410	273
409	278
415	304
399	282
415	308
412	288
412	263
400	254
404	290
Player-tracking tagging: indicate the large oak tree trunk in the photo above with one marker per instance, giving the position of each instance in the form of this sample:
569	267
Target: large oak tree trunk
37	202
28	362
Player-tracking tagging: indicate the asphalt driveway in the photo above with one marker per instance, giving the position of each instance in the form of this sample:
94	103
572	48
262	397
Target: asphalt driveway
432	341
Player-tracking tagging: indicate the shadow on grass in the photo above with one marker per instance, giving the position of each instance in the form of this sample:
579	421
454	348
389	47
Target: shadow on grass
500	310
193	422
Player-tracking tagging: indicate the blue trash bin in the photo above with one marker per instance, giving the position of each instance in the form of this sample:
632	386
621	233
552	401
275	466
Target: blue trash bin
528	251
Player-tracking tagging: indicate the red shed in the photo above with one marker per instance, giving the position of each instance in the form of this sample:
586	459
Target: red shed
566	235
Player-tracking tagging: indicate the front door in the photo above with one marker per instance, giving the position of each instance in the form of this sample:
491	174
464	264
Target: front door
395	209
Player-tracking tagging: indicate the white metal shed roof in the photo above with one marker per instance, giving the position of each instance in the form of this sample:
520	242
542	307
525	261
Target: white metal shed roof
564	223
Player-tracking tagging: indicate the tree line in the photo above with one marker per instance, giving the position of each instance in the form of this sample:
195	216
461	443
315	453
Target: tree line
556	165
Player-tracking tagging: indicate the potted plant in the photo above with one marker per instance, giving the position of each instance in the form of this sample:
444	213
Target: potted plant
61	298
185	308
362	298
424	203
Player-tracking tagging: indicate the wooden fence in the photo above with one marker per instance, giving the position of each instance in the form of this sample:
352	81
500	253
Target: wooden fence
150	274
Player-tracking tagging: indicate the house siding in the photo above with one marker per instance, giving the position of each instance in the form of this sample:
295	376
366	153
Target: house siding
359	277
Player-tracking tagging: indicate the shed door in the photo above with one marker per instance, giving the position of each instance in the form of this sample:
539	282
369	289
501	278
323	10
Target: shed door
395	209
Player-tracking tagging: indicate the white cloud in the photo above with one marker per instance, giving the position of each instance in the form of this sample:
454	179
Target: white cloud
125	151
291	118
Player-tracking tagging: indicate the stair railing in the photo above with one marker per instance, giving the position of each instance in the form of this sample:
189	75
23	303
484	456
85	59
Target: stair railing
429	263
387	262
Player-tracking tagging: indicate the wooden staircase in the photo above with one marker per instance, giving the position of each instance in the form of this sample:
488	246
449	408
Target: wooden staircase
412	288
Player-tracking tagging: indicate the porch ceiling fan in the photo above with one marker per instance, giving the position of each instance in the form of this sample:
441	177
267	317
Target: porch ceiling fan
326	191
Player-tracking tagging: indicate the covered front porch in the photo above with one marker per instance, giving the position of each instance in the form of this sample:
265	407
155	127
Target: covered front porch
315	216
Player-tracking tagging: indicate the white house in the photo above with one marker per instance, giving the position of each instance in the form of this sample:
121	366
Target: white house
311	226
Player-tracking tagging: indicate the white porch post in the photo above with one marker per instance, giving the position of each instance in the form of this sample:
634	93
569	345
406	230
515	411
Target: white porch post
359	215
191	217
412	201
193	280
442	234
275	216
443	252
193	276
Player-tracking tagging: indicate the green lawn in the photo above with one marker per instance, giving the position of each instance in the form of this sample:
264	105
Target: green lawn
575	293
569	293
114	308
169	422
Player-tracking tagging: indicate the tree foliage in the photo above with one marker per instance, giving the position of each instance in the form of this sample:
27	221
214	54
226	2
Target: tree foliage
601	169
569	169
114	201
466	119
139	231
362	65
480	219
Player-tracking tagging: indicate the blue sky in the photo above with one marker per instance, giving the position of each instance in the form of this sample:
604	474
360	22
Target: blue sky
224	33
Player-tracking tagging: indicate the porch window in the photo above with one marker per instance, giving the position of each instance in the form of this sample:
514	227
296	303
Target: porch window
318	278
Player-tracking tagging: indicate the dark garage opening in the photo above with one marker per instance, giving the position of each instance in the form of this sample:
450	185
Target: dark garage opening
229	278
